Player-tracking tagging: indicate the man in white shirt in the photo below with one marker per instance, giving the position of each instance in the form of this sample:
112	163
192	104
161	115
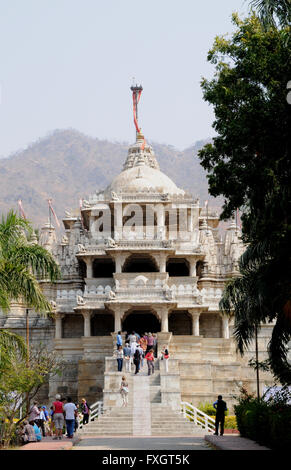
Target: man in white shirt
69	409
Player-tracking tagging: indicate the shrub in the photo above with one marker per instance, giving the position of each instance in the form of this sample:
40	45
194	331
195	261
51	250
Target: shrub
207	408
230	422
266	422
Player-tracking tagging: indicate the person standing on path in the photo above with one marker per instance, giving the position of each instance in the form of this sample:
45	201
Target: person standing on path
150	361
85	410
70	411
132	338
124	391
165	358
34	412
126	356
119	357
143	343
221	408
118	339
155	345
136	359
58	417
141	356
150	344
41	420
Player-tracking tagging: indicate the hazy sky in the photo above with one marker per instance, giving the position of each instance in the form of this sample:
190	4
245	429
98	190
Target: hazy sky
70	63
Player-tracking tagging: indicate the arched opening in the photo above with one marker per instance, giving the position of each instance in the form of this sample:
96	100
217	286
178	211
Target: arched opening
141	321
103	267
102	323
82	269
140	264
180	322
73	326
178	267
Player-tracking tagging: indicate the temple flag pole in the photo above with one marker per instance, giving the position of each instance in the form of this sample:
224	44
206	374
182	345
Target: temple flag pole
51	210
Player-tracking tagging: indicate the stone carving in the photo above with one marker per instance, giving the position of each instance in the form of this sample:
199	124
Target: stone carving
114	196
81	248
65	240
110	242
80	300
111	295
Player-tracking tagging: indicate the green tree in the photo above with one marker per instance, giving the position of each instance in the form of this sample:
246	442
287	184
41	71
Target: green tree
22	264
273	11
21	380
249	163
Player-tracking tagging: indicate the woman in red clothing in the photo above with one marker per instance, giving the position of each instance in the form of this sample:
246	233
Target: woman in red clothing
150	361
58	417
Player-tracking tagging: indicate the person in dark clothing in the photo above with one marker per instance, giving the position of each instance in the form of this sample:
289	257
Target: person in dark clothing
136	360
85	410
221	408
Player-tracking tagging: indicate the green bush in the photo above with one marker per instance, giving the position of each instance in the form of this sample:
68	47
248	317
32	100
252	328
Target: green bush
208	409
230	422
266	422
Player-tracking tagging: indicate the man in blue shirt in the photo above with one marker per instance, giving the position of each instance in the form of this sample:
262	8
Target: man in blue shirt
221	408
127	358
119	339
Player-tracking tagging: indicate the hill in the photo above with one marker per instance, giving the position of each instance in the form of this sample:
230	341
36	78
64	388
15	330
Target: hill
67	165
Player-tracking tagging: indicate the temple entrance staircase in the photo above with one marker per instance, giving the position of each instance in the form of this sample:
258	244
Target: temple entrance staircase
147	413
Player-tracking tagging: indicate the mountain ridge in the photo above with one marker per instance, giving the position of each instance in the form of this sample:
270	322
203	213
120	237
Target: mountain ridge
67	165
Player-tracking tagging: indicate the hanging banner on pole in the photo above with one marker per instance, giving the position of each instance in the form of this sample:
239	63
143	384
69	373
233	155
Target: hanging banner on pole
53	212
21	211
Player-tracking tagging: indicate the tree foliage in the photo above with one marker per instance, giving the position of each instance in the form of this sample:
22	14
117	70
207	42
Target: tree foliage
249	163
21	264
273	12
20	381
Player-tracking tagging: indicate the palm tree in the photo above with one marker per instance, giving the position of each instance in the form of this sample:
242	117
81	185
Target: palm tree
271	10
21	265
262	294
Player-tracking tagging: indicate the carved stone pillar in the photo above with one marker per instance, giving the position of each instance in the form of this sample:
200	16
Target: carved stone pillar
89	264
87	323
58	330
160	221
193	267
117	318
118	220
162	262
164	316
195	322
225	327
119	261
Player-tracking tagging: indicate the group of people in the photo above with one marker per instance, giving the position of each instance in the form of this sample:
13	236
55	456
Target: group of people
62	417
137	349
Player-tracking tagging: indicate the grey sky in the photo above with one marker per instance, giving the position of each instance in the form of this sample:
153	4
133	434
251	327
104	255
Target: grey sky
70	63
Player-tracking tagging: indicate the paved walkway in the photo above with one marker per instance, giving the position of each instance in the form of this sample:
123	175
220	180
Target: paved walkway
48	443
142	443
141	406
210	442
233	442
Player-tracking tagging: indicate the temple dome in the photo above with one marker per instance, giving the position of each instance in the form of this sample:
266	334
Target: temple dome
143	178
141	173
